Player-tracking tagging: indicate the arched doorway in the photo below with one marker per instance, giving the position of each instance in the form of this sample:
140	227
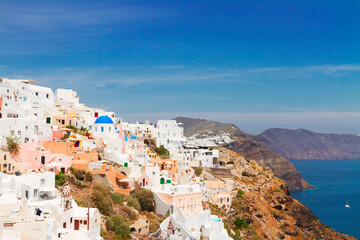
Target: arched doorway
143	182
162	181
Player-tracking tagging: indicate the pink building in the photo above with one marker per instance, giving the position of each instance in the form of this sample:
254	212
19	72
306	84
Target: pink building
34	156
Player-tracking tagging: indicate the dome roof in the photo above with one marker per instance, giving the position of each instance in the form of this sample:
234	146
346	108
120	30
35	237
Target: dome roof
104	120
133	137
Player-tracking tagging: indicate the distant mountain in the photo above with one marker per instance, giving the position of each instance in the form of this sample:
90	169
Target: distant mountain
249	146
197	126
304	144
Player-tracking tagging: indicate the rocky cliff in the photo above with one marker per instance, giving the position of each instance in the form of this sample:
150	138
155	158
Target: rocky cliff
304	144
249	146
262	207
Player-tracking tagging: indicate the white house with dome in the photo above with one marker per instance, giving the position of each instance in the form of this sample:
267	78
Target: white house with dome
104	125
104	128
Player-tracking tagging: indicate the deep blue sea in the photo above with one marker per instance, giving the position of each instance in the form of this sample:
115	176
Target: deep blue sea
335	182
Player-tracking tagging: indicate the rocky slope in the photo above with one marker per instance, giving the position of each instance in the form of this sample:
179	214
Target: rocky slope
262	207
249	146
304	144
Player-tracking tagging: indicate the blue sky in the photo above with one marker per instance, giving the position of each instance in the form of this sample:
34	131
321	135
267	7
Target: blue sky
225	60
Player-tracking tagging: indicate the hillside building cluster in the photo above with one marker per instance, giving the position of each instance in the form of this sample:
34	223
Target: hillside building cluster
56	132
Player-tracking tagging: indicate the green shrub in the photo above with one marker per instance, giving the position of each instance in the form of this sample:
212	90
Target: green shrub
162	151
154	224
240	194
82	203
80	184
60	179
79	174
198	171
12	142
146	199
133	202
102	188
240	223
117	198
65	136
72	128
88	176
101	199
118	225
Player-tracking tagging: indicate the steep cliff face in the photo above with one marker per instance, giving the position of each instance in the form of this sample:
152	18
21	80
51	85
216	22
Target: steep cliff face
249	146
304	144
262	207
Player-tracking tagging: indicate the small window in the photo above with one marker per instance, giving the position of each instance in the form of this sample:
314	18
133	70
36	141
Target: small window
48	120
102	129
70	220
47	95
4	157
35	192
85	222
37	94
42	182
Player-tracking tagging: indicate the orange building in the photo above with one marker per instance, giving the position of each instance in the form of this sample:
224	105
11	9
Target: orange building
166	164
81	158
117	179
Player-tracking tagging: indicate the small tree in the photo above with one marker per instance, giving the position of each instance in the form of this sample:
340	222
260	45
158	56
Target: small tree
117	198
240	223
240	194
146	199
84	131
65	136
72	128
101	198
162	151
198	171
119	225
12	142
79	174
60	179
88	176
133	202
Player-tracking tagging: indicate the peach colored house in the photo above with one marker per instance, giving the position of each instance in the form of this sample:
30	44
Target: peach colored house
218	193
166	164
187	197
33	156
8	165
81	157
57	135
116	178
63	120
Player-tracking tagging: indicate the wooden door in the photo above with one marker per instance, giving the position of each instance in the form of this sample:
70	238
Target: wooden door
76	226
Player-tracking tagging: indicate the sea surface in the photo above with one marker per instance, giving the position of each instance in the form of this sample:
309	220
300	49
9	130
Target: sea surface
335	182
